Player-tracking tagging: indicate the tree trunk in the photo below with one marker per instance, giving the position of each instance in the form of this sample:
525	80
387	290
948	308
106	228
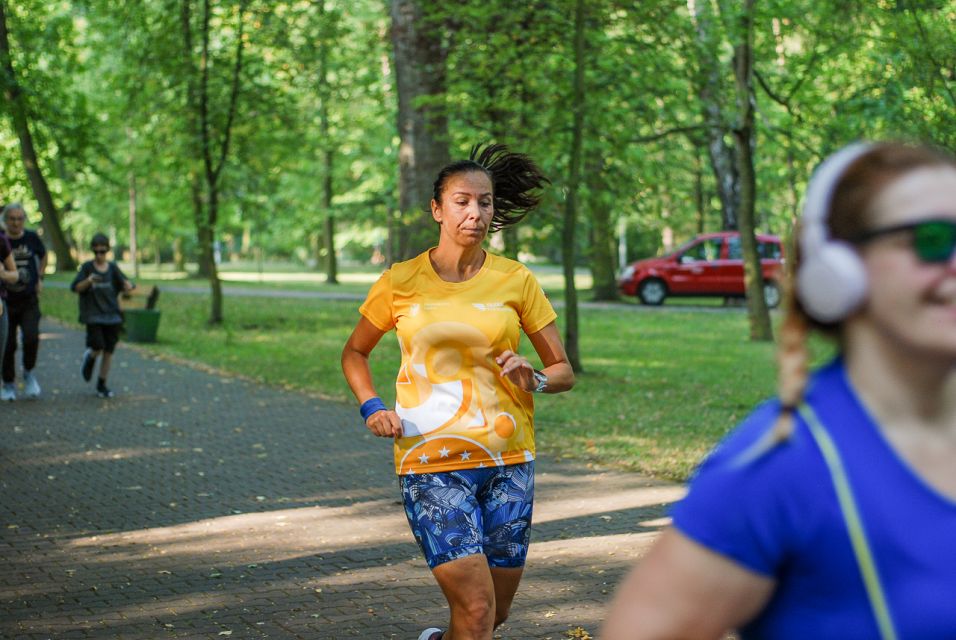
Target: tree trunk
420	58
133	230
331	264
212	152
203	237
722	159
603	264
209	254
699	201
570	203
315	246
744	136
509	237
328	156
179	256
13	96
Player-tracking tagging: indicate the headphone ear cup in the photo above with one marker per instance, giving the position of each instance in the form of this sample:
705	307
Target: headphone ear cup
831	282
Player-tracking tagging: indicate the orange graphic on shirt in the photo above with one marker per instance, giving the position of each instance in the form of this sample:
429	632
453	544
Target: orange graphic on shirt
446	388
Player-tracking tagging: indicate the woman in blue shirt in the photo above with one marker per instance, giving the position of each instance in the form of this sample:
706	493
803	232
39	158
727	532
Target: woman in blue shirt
831	511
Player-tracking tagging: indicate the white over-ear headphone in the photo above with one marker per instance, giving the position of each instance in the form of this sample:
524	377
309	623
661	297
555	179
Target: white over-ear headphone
831	280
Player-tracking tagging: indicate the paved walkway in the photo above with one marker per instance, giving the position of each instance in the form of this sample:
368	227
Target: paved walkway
195	505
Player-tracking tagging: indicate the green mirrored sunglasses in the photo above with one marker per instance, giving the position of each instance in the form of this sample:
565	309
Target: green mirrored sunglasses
933	240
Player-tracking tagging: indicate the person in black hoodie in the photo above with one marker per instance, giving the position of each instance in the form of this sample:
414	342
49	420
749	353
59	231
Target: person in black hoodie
99	283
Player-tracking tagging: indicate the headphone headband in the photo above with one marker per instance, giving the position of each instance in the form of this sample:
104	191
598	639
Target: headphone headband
816	204
831	280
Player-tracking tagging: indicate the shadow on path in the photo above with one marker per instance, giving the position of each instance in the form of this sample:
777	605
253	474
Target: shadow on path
195	505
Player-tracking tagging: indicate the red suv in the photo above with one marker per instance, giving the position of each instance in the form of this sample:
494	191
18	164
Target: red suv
709	265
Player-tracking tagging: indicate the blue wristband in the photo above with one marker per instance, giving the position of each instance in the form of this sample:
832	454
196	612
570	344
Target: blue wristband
370	406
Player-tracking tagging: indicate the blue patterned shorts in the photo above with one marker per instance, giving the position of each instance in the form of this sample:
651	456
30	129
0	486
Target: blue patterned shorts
455	514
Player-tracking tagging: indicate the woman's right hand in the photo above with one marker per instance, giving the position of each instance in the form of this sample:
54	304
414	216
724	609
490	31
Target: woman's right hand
385	424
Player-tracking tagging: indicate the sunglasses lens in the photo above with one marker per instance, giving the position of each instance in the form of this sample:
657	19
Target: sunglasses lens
935	241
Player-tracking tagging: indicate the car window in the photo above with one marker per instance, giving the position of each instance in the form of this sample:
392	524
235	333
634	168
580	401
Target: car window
733	248
768	250
704	251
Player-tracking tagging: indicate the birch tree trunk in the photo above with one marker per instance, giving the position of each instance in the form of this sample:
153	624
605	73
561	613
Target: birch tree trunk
709	92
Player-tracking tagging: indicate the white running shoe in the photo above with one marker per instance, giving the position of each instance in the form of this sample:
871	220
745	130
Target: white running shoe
432	633
31	388
8	393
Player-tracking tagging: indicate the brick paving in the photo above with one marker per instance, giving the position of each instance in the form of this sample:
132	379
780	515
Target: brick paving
196	505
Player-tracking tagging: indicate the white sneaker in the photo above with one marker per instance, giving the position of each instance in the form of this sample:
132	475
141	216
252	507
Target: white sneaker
8	393
432	633
31	388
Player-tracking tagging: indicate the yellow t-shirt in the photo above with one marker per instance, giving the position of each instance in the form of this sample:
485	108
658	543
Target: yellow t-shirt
457	411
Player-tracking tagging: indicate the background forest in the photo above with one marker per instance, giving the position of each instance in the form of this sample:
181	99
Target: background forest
310	130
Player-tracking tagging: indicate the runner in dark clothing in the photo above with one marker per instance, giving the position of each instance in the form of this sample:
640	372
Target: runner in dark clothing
99	283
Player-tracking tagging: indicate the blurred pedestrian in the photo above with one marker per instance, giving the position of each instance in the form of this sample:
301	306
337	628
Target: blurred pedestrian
831	511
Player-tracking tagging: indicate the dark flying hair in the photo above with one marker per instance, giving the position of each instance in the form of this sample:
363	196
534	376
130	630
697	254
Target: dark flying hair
515	179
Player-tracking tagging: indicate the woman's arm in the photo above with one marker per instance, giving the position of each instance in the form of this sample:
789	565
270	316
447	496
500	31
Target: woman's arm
547	344
359	377
682	589
9	273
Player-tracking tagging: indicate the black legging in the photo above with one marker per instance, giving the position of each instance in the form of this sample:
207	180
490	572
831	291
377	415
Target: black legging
24	314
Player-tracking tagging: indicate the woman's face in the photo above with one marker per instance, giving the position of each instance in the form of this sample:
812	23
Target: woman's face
912	303
466	208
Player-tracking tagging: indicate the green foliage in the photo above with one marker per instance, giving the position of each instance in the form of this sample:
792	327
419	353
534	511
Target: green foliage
104	82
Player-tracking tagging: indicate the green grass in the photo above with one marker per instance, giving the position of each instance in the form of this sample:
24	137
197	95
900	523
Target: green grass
660	386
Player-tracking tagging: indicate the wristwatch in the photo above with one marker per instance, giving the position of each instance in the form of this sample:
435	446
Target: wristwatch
542	381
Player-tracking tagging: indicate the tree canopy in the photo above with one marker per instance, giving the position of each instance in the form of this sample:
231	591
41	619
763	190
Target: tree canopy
260	124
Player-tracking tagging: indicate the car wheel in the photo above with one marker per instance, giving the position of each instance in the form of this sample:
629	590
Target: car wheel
652	291
771	294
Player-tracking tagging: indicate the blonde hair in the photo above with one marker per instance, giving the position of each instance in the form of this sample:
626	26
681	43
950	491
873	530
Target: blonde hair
793	366
793	362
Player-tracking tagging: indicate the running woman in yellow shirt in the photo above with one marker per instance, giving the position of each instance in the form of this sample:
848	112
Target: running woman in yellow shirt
463	423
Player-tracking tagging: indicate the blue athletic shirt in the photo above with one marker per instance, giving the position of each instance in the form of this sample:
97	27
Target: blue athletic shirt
778	516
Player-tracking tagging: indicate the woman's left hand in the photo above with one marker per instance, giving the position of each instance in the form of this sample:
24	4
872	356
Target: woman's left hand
517	369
